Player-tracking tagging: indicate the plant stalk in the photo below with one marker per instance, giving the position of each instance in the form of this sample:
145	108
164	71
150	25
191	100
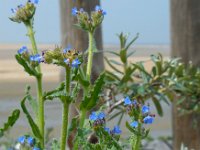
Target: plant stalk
66	104
90	56
39	85
138	139
88	74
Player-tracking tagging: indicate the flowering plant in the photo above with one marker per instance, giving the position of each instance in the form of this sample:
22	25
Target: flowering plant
90	132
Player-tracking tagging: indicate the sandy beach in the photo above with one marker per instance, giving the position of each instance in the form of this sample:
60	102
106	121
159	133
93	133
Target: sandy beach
13	81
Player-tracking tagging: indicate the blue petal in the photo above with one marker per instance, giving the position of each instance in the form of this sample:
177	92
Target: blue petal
145	109
107	129
67	61
134	124
93	116
101	115
127	101
74	11
75	63
148	120
36	148
116	130
30	141
21	139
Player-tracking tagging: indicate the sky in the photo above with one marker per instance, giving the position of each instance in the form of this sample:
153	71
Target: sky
149	18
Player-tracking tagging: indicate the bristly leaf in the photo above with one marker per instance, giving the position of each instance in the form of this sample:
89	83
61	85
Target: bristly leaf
10	122
92	98
27	68
73	126
123	56
33	125
54	93
132	41
112	66
158	106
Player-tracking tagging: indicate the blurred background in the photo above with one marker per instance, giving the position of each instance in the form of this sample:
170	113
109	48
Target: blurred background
151	19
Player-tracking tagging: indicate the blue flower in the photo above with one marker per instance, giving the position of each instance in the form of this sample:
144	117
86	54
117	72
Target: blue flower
74	11
101	115
21	139
67	48
107	129
30	141
145	109
22	50
134	124
93	116
75	63
116	130
148	120
36	148
13	10
127	101
36	58
98	8
33	1
67	61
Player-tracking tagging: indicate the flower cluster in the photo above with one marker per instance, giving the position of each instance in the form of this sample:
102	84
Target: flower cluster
34	60
24	13
62	57
115	131
86	22
26	142
98	120
141	113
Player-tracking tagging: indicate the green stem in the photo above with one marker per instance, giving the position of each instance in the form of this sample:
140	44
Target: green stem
88	74
40	109
82	118
64	124
39	84
138	139
65	113
90	56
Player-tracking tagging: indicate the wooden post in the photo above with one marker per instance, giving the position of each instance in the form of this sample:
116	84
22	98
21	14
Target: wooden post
185	35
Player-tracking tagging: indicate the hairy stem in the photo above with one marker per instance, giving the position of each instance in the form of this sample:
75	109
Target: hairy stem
65	113
90	56
39	85
138	139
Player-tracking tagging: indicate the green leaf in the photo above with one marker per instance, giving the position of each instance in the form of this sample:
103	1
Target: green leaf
115	62
123	56
57	93
112	66
130	54
10	122
145	75
91	100
128	75
158	106
146	134
112	75
82	81
132	41
27	68
73	126
33	125
111	52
